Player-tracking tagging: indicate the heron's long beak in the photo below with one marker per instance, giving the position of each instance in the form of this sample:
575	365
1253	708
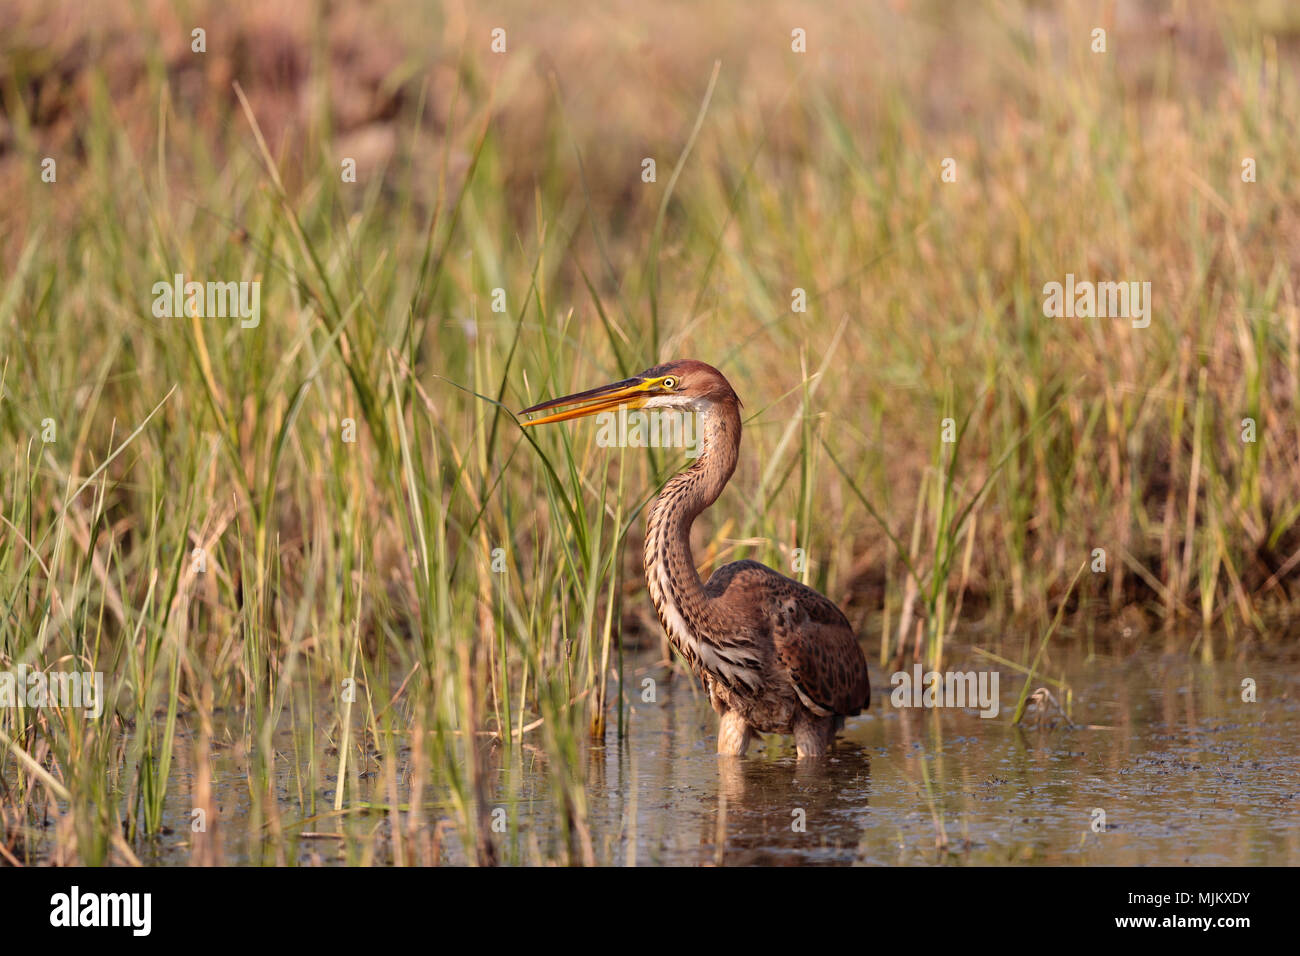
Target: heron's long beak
632	392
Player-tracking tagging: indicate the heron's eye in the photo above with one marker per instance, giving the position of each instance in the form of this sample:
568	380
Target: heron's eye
670	383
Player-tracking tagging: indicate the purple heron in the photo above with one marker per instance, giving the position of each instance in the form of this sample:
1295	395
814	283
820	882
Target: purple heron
774	655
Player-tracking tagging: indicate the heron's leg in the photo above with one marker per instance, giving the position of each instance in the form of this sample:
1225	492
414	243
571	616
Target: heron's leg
812	735
833	726
733	735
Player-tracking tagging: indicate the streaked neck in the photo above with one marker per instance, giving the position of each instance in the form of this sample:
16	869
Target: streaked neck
674	582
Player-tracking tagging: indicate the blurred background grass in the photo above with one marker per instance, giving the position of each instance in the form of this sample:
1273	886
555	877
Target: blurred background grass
373	560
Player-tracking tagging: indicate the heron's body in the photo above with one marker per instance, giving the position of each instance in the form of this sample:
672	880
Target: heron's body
774	655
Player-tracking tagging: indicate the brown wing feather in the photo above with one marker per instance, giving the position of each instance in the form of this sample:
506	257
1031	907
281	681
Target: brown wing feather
810	635
827	666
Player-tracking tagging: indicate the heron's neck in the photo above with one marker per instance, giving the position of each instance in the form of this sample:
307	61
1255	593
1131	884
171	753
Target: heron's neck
675	586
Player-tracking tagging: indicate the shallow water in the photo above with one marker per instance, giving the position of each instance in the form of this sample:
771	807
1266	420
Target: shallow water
1188	774
1184	771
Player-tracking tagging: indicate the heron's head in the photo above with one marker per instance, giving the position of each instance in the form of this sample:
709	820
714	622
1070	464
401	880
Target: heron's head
685	384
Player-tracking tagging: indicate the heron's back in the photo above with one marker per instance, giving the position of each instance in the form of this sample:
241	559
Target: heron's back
802	631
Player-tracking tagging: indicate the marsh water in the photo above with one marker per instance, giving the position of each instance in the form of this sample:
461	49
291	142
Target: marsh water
1160	762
